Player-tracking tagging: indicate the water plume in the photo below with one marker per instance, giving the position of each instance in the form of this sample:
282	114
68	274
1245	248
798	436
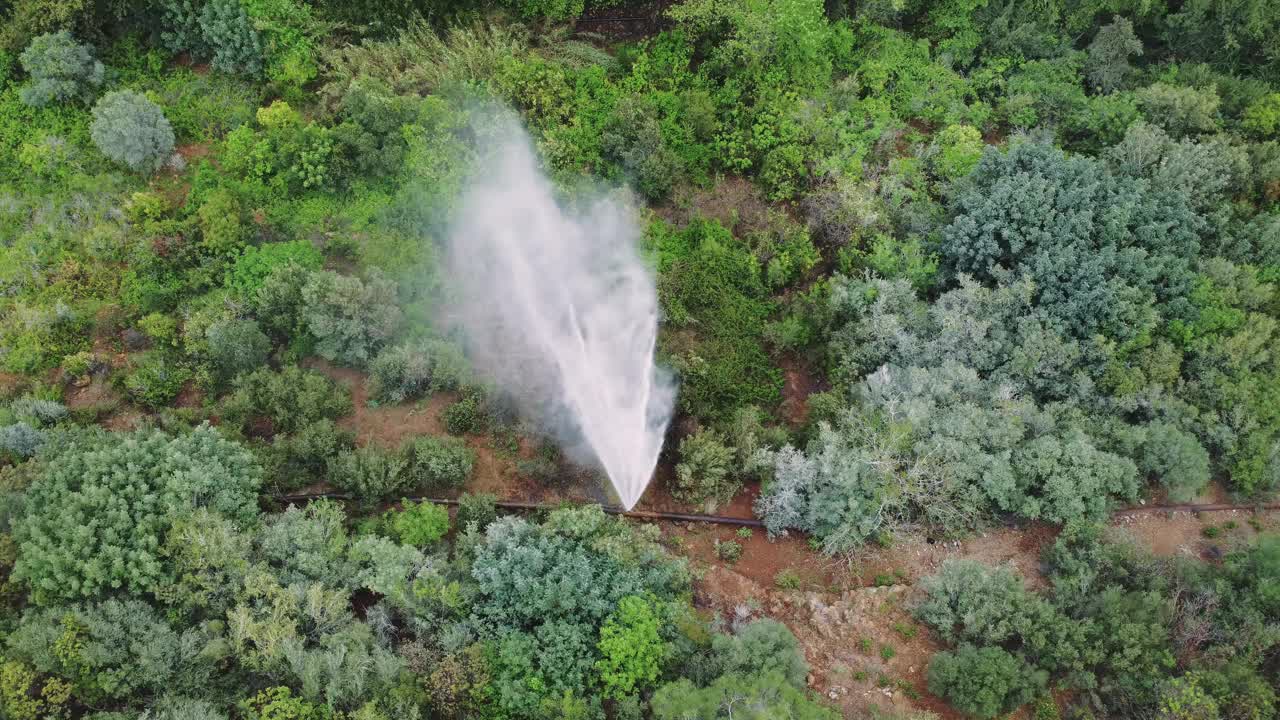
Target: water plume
560	311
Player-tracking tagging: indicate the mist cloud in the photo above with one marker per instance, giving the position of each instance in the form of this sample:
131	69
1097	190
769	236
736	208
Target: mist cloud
560	311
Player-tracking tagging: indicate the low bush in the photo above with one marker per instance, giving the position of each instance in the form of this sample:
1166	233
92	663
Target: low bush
302	457
289	399
705	472
371	473
419	524
984	682
414	369
236	346
439	462
478	508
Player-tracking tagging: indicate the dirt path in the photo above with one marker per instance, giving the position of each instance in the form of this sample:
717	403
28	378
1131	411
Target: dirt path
846	614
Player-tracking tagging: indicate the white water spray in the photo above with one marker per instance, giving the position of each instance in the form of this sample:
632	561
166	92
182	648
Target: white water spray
560	311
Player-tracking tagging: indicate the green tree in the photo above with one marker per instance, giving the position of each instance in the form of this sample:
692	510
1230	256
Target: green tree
98	514
631	648
228	32
61	69
351	319
984	682
112	651
1177	459
237	346
132	130
1109	53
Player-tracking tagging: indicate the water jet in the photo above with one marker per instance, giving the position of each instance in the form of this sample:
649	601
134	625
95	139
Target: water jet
558	308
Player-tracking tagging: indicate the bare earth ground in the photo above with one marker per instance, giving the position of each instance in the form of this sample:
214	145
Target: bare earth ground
844	620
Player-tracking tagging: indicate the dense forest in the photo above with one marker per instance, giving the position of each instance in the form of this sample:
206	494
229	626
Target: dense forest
927	269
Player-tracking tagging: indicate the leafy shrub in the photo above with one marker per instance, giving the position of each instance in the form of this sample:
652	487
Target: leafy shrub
290	35
20	699
478	508
468	415
371	473
256	263
237	346
959	147
1180	110
61	69
132	130
290	399
221	229
279	703
1177	459
350	319
631	648
984	682
548	9
709	283
230	35
413	369
439	462
1262	117
704	473
768	695
101	508
419	524
162	329
156	380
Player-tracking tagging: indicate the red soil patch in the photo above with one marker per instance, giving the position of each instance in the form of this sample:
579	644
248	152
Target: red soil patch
864	649
10	384
1181	534
798	384
733	200
194	151
97	394
190	396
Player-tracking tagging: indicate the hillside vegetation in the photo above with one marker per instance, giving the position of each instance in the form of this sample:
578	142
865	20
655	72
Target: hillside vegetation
924	266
